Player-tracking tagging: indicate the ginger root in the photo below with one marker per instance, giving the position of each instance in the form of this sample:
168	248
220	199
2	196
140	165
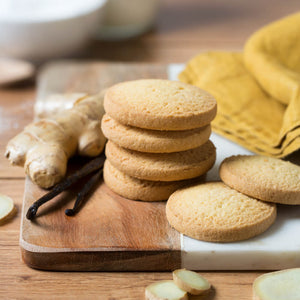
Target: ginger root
165	290
45	146
7	208
190	281
279	285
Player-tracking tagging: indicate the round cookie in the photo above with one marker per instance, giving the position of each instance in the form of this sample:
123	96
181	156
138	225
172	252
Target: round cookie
261	177
160	104
153	141
138	189
162	166
216	213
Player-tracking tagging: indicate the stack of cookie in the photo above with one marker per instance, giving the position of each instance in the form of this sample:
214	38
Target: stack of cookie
158	132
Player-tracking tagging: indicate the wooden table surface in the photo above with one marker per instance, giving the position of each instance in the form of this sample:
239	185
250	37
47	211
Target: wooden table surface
182	30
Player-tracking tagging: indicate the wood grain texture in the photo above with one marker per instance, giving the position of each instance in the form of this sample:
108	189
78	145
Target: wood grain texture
91	77
21	282
182	30
18	281
110	233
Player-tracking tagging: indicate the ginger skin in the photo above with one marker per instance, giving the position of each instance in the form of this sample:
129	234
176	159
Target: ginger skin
45	146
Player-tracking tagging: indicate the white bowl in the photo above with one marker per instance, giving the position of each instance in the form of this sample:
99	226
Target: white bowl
43	29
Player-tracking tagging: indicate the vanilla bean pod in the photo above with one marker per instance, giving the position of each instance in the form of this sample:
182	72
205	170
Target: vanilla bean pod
84	192
90	167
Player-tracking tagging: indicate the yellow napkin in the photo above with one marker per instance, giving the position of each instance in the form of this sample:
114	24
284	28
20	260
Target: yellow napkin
258	91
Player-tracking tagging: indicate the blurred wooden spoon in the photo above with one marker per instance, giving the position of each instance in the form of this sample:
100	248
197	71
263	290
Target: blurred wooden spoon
14	70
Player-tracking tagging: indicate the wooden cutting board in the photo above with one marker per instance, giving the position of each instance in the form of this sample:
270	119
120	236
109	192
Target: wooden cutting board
109	233
115	234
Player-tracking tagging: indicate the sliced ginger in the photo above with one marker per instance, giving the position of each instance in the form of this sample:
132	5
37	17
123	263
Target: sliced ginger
190	281
165	290
281	285
184	281
45	146
7	208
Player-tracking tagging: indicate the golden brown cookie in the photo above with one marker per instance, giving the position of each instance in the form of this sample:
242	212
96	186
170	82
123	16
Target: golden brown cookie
160	104
216	213
153	141
265	178
162	166
138	189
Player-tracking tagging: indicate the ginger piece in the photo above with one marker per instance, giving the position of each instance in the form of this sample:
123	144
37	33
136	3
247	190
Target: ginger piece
280	285
7	208
45	146
190	281
165	290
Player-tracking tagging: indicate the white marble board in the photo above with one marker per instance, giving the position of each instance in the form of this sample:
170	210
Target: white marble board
277	248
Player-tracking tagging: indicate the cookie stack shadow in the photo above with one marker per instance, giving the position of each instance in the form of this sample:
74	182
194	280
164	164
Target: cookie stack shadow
158	137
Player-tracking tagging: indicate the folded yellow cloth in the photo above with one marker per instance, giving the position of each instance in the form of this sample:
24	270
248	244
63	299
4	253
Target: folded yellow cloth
258	92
